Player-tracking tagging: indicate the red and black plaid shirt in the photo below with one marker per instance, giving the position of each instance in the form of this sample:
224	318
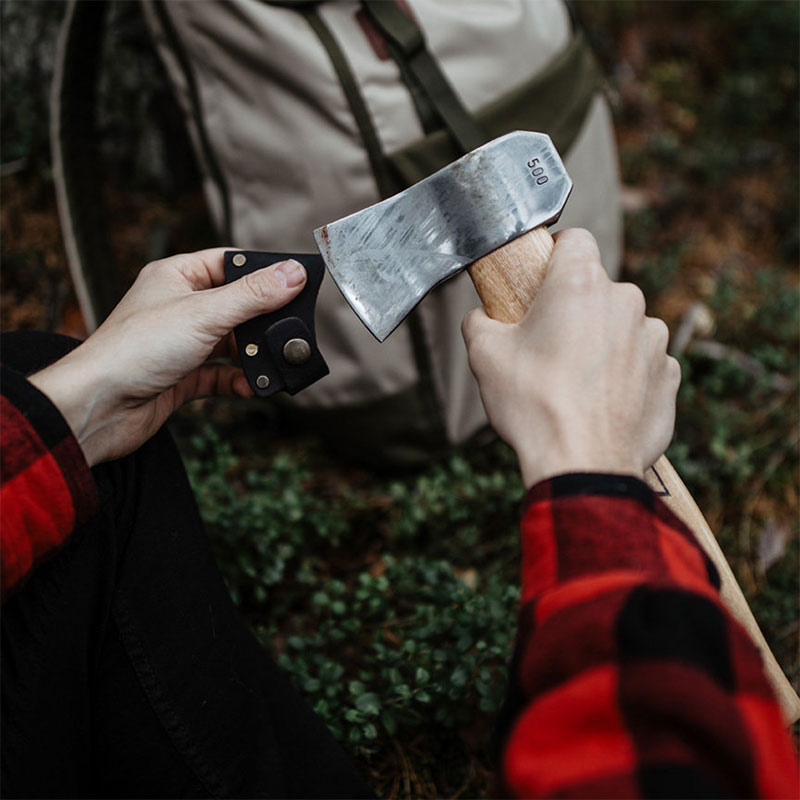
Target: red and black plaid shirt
46	489
630	679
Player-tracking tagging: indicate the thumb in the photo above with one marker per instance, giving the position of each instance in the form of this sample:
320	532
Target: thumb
257	293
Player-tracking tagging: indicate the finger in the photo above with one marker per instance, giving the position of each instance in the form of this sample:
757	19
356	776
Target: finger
212	380
473	319
669	376
202	269
657	335
575	258
630	299
476	325
256	293
573	238
487	345
226	348
661	402
660	432
673	374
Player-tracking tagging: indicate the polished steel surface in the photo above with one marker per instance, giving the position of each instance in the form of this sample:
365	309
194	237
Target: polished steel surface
386	258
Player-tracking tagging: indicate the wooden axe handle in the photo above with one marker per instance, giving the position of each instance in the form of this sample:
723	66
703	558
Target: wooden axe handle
507	280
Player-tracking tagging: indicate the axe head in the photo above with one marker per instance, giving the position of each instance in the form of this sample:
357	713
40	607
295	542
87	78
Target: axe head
386	258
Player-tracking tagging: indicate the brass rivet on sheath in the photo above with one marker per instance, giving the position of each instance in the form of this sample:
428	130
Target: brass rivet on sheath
239	260
251	349
297	351
262	381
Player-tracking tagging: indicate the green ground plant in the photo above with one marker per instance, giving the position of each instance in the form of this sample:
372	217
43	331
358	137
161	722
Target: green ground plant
392	604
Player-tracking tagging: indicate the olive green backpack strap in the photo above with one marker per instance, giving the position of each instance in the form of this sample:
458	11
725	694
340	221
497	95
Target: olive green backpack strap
432	93
556	100
358	107
429	398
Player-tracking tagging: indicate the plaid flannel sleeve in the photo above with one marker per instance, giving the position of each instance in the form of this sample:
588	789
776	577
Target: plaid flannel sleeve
46	488
629	678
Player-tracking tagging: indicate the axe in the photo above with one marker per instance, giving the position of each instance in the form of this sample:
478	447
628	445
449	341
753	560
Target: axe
487	212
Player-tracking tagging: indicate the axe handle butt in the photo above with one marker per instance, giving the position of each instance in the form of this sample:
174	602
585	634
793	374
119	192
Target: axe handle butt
507	281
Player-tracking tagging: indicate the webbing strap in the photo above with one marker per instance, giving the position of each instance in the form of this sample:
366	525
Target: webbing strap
387	186
423	75
428	116
355	100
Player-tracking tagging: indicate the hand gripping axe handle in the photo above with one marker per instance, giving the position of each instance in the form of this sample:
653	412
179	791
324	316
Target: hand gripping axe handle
497	277
487	213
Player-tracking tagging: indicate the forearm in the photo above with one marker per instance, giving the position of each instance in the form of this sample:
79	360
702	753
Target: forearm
46	489
630	677
81	397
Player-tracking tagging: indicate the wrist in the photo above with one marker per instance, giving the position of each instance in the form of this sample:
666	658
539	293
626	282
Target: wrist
537	467
75	388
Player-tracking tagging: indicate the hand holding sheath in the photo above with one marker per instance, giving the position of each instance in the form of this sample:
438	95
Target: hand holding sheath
279	350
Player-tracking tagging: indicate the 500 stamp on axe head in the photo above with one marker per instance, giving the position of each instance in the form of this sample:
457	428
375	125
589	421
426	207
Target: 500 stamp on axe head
487	213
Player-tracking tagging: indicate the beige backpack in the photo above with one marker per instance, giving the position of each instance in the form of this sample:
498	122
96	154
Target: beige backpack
301	113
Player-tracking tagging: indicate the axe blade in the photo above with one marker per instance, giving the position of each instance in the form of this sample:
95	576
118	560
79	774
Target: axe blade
387	257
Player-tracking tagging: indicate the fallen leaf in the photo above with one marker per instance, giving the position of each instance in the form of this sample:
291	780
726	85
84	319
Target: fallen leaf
469	577
771	544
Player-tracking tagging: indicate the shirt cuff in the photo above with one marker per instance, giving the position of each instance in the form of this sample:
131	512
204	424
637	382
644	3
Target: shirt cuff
33	428
582	524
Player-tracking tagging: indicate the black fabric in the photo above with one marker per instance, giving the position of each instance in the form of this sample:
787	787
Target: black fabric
38	408
588	483
678	780
126	671
82	171
646	629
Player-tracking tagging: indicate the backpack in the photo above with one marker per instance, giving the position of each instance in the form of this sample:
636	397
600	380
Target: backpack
303	112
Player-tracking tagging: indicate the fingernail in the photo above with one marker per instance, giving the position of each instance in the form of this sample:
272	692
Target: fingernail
292	273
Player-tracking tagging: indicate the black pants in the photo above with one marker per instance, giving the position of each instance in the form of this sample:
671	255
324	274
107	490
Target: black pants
126	670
